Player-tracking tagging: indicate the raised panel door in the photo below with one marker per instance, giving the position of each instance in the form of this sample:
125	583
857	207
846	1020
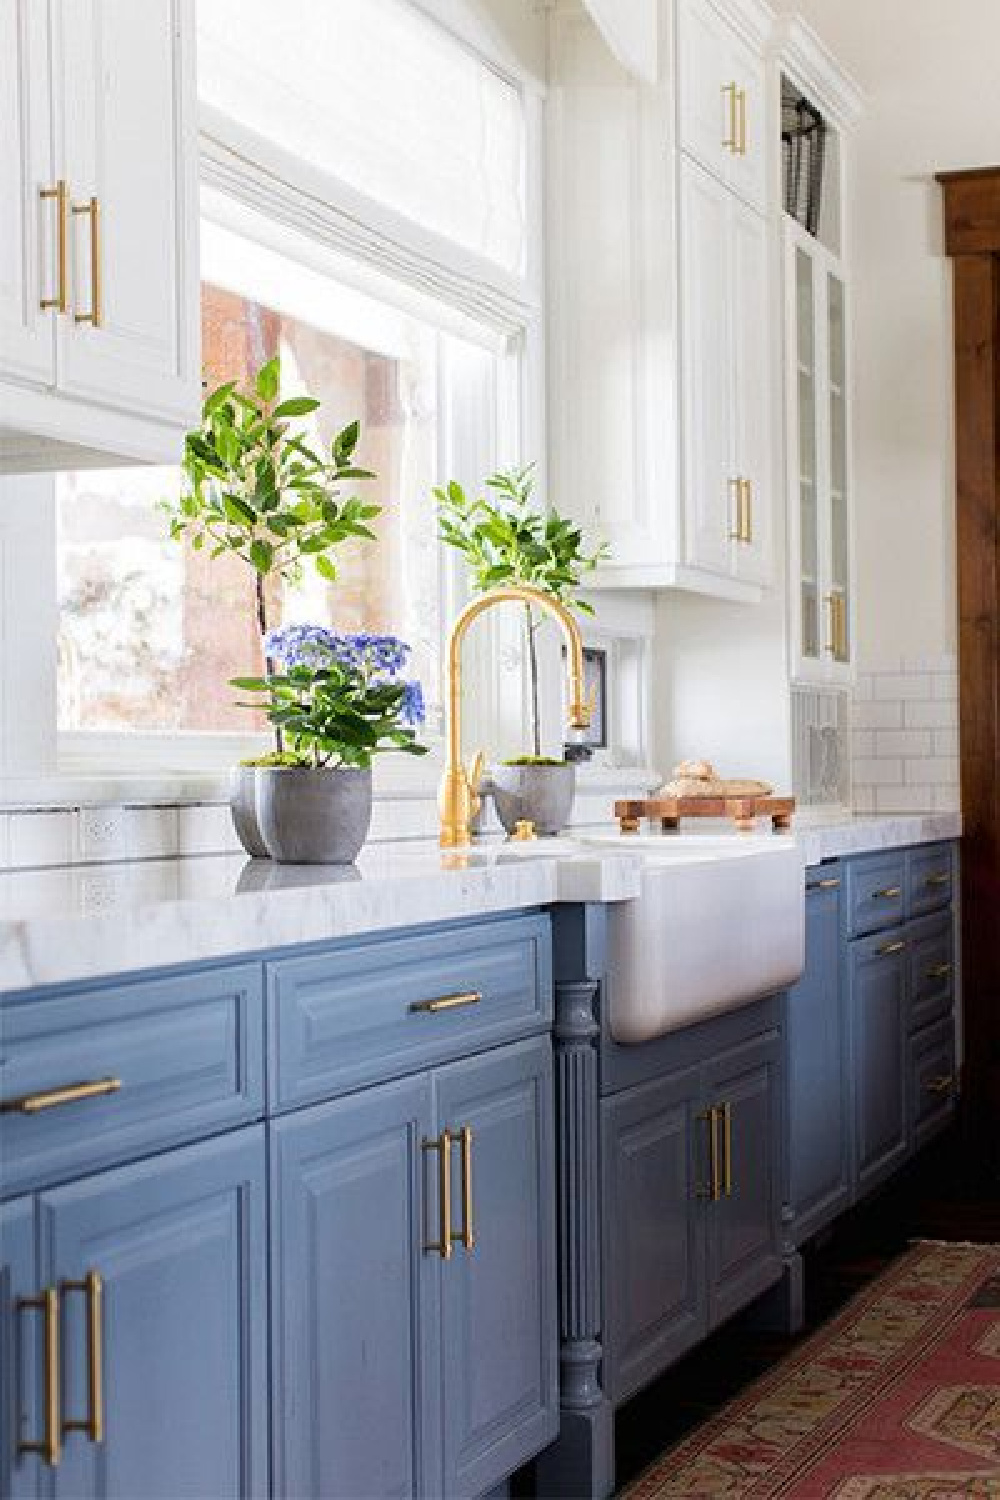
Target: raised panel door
22	1401
498	1301
655	1173
126	138
708	114
878	1020
180	1245
356	1353
29	225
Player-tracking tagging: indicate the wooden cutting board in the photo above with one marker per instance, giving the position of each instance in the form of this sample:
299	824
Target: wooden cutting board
669	810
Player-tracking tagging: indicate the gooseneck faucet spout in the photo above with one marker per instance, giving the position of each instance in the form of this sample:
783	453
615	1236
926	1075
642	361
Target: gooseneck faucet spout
456	797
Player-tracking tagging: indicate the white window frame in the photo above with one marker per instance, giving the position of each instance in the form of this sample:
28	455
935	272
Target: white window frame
240	174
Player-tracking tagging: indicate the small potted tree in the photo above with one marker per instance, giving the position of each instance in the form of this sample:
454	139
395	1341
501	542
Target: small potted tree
255	487
337	700
506	538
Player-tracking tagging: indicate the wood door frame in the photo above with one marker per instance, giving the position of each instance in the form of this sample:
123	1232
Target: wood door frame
972	240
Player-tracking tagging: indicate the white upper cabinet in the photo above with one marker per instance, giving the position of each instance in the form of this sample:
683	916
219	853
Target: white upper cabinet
663	305
100	258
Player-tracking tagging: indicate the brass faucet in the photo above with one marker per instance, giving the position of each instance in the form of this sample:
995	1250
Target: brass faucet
456	798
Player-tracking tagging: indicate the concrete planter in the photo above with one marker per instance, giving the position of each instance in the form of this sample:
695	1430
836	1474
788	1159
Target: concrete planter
243	806
542	795
313	817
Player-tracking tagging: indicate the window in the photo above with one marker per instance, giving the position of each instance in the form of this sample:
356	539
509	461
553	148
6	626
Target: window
150	633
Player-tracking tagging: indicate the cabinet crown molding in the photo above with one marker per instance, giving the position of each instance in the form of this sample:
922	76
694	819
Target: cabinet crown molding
752	19
803	54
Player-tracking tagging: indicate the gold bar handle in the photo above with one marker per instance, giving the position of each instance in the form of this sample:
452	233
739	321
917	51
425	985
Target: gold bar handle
713	1192
943	1084
466	1235
727	1150
70	1093
889	948
442	1245
92	1288
730	142
95	316
828	883
736	486
939	971
938	879
60	196
888	893
747	512
446	1002
50	1445
742	97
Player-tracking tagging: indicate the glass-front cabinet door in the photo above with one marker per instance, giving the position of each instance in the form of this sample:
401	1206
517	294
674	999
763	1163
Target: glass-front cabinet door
818	435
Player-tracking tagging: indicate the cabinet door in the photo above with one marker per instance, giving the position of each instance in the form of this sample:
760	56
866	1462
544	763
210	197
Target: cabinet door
706	372
22	1402
179	1243
752	386
654	1151
29	226
354	1293
748	165
817	1125
498	1313
126	136
708	114
878	1022
744	1254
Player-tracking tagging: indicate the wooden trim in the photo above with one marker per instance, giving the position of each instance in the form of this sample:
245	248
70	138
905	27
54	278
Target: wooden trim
972	211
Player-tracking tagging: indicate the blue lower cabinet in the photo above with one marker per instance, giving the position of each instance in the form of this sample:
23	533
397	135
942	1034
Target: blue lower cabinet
933	1081
356	1296
22	1329
163	1371
878	987
742	1087
500	1385
817	1134
653	1174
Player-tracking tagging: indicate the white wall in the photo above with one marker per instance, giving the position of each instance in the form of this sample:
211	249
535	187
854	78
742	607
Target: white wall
929	72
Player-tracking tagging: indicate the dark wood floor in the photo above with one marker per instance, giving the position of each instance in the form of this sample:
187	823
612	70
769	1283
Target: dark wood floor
945	1194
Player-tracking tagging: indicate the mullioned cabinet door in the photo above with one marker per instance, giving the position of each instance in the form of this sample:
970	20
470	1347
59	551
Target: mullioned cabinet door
180	1325
22	1403
355	1296
498	1291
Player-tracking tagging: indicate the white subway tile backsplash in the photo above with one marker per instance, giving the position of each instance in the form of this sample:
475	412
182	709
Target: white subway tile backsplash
946	742
947	799
945	686
899	687
904	799
878	715
864	799
939	714
206	828
878	772
42	838
938	770
863	744
906	742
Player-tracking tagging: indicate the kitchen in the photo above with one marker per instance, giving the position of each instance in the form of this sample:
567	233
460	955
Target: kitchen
585	404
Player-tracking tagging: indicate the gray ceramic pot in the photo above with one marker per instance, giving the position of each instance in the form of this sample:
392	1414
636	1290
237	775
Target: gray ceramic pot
542	795
314	817
243	806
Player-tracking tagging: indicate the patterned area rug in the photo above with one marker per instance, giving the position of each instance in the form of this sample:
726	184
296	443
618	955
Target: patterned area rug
897	1398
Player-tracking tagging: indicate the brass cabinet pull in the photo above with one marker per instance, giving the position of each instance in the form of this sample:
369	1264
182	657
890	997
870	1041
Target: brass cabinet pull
92	1288
730	142
942	1084
446	1002
838	627
442	1245
466	1236
727	1150
938	878
742	96
95	316
50	1445
736	486
888	948
828	883
60	196
70	1093
939	971
747	512
713	1192
889	893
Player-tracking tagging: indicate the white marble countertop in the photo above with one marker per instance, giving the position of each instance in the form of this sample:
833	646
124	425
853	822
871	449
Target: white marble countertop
75	923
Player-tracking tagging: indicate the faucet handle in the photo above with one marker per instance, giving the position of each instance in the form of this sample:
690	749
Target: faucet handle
524	829
474	771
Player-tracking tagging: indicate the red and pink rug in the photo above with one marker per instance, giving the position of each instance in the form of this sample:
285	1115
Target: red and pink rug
898	1398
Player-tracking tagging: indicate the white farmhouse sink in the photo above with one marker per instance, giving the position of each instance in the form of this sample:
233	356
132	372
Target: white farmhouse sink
720	921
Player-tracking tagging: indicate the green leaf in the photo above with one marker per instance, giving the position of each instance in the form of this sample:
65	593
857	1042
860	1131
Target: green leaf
296	406
268	379
238	511
261	555
326	567
345	442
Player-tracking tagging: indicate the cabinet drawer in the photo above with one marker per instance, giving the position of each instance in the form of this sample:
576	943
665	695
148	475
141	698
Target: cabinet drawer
186	1054
930	878
369	1011
931	961
933	1080
875	892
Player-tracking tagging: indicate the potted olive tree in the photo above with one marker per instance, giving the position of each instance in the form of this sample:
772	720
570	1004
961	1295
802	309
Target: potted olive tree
338	700
507	539
255	487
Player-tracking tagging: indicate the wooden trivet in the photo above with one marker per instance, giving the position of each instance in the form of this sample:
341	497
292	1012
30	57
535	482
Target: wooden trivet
669	810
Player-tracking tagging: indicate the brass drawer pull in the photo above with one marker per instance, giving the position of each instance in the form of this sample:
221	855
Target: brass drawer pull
70	1093
727	1150
731	141
95	316
50	1445
829	883
60	195
92	1288
888	948
889	893
742	96
943	1084
714	1190
938	879
939	971
446	1002
466	1235
442	1245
